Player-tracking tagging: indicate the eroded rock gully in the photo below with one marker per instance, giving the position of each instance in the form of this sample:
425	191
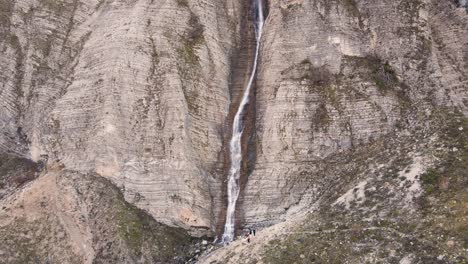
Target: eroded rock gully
349	95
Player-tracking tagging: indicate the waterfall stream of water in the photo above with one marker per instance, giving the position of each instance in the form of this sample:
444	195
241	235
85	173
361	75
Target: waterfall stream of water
233	186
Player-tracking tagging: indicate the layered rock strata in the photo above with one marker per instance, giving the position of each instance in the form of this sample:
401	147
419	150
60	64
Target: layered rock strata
141	92
336	76
137	91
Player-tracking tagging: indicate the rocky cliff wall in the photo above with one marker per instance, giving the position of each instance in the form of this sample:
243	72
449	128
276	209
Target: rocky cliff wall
137	91
141	92
336	76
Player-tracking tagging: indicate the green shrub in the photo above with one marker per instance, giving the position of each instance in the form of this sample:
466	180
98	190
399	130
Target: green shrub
430	177
182	3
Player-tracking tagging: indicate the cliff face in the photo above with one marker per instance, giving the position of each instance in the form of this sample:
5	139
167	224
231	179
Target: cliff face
354	102
337	76
136	91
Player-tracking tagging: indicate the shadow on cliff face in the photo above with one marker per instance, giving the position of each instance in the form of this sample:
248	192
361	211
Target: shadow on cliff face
461	3
15	172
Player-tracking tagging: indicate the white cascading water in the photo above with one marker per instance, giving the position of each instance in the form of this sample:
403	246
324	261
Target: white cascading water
237	129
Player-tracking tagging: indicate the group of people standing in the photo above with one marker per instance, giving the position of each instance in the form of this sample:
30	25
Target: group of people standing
249	234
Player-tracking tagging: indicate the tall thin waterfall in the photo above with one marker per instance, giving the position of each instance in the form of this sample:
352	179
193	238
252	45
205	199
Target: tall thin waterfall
237	129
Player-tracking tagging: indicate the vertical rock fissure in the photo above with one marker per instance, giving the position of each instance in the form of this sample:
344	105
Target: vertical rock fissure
235	148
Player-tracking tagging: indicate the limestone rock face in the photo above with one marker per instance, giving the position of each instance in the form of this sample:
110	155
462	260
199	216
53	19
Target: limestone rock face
136	91
141	92
336	76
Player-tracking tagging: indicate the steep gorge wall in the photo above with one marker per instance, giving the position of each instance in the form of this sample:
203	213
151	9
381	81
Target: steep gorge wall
137	91
337	75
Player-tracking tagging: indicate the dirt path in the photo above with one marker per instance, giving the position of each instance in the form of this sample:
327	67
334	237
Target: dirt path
240	251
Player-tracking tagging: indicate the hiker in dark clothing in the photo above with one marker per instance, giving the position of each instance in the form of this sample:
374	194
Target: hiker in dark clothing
250	231
254	232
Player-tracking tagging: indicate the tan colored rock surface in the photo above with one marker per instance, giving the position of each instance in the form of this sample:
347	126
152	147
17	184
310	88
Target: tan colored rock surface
337	75
134	90
359	116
